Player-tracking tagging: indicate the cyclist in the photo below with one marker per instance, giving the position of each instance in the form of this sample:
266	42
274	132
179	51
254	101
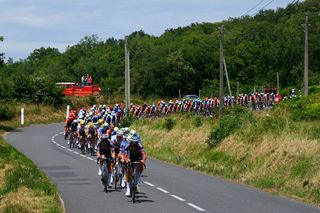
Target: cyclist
81	133
134	152
72	116
105	150
123	145
73	127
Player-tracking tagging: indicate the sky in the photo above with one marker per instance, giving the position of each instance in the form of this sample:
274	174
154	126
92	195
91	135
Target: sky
30	24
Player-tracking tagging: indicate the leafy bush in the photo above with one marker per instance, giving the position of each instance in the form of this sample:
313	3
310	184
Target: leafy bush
127	121
169	123
6	112
304	108
227	125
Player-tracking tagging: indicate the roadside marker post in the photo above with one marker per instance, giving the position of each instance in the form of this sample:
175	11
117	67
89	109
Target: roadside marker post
68	109
22	117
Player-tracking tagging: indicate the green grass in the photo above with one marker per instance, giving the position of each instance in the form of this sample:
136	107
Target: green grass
273	153
22	173
23	187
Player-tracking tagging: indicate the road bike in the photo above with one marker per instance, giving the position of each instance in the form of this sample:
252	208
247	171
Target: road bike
105	172
117	173
134	179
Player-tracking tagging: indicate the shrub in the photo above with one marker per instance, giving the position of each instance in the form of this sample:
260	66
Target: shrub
227	125
6	112
127	121
303	108
169	123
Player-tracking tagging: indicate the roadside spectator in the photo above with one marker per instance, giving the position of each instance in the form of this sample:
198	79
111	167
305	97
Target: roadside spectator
82	81
86	80
89	80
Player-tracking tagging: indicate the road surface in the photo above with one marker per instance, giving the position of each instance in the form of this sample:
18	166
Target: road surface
166	188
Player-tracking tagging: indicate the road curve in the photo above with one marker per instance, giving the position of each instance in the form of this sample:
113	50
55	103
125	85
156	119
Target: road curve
166	188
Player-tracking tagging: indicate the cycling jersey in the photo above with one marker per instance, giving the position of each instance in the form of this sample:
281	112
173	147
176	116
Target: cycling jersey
134	151
116	144
105	148
123	145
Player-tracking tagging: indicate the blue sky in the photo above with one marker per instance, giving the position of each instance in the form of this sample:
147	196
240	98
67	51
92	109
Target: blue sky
30	24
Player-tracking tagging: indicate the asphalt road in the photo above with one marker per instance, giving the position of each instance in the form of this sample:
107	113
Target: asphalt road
166	188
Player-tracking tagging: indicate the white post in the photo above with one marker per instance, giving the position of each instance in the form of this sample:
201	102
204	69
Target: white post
68	109
22	117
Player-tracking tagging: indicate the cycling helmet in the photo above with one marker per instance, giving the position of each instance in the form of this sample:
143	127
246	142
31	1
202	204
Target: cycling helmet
116	129
82	122
132	139
119	133
133	132
126	130
100	121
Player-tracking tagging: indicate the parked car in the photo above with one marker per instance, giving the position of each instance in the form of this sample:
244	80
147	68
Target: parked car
192	97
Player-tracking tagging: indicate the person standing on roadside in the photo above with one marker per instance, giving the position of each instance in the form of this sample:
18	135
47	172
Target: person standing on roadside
89	79
82	81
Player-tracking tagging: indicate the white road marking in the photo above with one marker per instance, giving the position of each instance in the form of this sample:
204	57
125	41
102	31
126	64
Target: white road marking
196	207
161	189
150	184
178	198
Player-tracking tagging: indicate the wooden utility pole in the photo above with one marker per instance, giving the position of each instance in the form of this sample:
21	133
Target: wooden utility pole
227	77
306	59
221	93
129	90
126	65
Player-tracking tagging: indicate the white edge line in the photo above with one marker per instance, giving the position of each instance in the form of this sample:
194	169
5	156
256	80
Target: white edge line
196	207
178	198
161	189
150	184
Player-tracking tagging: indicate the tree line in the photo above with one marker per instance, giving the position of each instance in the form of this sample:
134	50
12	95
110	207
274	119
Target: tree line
185	58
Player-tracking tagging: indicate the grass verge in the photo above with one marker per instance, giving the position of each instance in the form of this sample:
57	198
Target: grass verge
23	187
271	152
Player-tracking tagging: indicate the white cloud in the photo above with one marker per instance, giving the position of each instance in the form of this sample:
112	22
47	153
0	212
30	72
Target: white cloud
31	24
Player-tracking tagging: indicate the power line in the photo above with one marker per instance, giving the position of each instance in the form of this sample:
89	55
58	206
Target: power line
265	6
246	13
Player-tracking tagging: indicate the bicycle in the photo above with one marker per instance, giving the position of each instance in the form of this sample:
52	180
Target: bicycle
117	173
91	146
72	141
105	172
134	179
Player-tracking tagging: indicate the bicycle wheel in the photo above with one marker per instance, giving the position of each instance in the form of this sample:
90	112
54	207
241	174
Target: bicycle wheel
133	191
105	180
115	177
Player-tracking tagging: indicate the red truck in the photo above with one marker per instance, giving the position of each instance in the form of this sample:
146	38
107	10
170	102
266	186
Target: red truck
71	89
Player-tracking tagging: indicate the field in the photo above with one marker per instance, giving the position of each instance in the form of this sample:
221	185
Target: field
267	149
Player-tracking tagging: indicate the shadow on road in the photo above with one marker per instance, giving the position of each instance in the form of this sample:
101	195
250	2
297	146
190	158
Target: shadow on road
142	198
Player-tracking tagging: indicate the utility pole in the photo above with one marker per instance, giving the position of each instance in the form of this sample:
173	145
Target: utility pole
278	84
221	93
126	71
128	95
306	59
227	77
